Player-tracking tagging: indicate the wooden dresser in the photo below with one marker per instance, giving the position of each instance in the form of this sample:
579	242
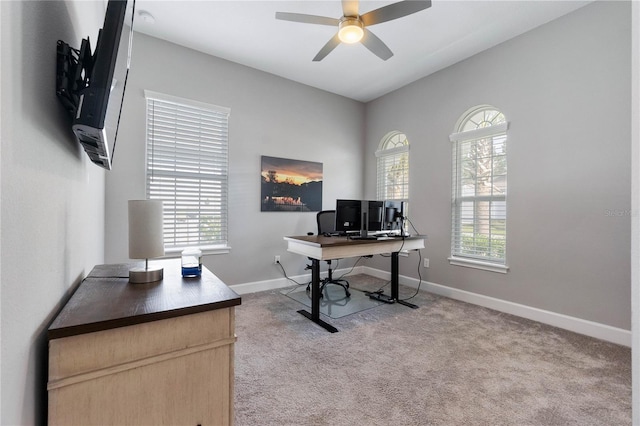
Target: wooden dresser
143	354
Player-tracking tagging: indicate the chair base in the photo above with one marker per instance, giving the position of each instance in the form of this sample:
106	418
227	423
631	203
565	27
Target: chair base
323	283
342	283
329	280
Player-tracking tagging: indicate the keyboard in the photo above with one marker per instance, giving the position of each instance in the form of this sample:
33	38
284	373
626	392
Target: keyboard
368	237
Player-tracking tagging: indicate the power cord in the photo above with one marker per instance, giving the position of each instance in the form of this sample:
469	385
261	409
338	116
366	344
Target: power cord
419	276
286	276
284	272
352	268
388	255
380	290
411	223
419	263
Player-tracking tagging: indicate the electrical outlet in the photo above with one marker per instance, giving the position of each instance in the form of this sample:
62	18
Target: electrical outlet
426	263
276	259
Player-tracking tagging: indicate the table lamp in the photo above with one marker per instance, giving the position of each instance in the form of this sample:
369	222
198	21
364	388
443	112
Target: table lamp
146	239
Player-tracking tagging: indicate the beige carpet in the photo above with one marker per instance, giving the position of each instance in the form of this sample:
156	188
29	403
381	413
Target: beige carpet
446	363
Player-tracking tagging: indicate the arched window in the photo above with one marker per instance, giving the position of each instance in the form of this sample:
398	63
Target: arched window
393	167
479	190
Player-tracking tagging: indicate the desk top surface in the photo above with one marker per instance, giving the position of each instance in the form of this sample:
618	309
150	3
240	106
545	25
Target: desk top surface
106	299
322	241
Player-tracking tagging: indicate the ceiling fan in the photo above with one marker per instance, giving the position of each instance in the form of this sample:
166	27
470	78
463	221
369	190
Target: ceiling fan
352	27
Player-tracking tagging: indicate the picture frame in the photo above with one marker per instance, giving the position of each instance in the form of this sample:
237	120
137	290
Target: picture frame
290	185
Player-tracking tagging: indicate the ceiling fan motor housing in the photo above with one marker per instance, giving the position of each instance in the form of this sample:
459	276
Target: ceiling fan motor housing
351	29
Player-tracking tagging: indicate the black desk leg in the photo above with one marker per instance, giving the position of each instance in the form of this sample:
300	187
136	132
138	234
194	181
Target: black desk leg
381	297
395	284
395	271
315	299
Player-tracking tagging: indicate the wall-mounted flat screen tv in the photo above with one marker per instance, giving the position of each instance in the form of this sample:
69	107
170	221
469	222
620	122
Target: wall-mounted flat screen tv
91	85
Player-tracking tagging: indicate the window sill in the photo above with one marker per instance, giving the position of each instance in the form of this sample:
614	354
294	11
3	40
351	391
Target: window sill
478	264
206	250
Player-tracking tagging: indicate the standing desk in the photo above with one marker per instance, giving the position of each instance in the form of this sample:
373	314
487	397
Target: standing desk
319	247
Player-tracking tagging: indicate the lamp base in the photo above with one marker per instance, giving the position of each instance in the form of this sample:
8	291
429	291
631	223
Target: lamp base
141	275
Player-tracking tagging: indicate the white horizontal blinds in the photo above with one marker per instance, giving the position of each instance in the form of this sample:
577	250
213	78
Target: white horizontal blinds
393	168
479	208
187	168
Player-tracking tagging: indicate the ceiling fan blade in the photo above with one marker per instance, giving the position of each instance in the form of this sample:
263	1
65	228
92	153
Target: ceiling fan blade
394	11
375	45
327	48
350	7
307	19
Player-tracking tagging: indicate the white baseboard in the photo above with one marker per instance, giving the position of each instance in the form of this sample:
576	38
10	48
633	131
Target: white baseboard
577	325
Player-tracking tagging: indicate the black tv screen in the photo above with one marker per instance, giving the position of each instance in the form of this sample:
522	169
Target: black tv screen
92	86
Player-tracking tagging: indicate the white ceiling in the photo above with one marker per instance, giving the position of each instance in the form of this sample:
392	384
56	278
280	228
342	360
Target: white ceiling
247	32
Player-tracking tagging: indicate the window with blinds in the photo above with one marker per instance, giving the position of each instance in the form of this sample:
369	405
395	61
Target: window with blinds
187	168
479	193
393	167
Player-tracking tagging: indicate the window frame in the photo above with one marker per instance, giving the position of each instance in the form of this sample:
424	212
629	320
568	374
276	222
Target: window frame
389	152
383	154
185	178
463	139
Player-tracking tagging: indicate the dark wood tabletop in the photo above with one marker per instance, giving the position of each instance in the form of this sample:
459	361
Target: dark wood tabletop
326	241
106	299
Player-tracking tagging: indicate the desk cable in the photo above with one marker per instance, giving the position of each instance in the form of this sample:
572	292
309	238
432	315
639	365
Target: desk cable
337	263
380	290
419	263
352	268
287	277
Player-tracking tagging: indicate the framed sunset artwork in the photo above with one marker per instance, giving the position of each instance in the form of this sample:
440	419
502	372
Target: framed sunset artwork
290	185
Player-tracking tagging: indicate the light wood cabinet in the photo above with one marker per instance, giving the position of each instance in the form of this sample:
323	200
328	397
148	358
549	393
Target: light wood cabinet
143	354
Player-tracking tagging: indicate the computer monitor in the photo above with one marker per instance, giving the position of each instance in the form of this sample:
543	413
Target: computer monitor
394	212
359	216
375	214
348	216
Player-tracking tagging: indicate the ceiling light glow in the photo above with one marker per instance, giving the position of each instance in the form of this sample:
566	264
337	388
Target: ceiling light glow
351	30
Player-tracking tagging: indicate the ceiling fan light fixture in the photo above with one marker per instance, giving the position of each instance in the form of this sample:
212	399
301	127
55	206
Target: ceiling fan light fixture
351	30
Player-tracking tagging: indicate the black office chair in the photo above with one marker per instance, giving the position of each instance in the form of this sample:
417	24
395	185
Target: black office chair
326	220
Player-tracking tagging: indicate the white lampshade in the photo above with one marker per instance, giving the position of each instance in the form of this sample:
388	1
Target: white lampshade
146	238
145	229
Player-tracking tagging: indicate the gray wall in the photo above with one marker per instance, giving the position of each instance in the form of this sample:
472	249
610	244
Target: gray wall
52	211
565	89
269	116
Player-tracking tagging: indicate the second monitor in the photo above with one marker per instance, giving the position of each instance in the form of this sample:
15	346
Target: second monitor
367	217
